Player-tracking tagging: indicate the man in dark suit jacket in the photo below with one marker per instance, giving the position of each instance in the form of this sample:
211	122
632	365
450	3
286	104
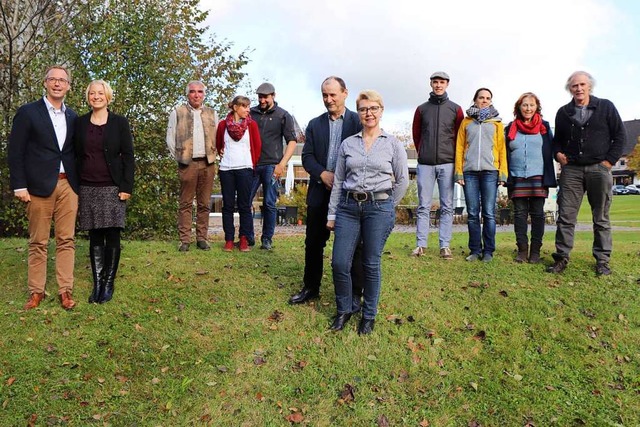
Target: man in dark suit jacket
323	136
42	167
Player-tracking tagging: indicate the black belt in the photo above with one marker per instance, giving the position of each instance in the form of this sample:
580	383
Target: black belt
199	159
368	195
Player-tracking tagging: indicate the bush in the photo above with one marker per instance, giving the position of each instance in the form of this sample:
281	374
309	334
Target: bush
298	198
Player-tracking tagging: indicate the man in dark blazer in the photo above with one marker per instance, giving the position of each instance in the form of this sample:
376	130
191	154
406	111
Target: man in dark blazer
323	136
42	168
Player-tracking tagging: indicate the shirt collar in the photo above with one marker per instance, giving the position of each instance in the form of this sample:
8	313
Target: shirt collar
50	106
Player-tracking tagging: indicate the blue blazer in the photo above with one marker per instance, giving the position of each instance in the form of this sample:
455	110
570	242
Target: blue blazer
316	151
117	148
34	153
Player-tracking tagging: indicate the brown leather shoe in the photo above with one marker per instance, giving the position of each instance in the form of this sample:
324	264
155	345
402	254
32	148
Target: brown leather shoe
66	302
34	301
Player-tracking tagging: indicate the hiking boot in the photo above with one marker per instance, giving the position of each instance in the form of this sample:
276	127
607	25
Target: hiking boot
558	267
419	251
523	251
228	246
602	269
445	253
244	244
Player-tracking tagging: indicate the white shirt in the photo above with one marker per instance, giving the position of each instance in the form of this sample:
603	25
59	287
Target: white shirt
237	154
59	121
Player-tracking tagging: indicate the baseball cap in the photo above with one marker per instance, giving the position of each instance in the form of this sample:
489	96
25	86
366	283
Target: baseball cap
265	89
439	75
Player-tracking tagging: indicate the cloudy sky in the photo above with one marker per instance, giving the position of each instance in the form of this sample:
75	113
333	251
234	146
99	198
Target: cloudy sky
508	46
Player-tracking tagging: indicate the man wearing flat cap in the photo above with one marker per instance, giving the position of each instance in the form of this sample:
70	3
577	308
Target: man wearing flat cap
435	128
276	126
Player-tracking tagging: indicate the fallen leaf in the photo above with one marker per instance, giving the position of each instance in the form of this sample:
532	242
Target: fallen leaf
504	293
259	360
481	335
259	397
383	421
201	272
517	377
424	423
550	387
155	380
474	385
222	368
474	423
32	420
295	418
347	394
11	380
276	316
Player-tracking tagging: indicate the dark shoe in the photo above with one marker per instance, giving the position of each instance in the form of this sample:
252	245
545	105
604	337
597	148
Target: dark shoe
473	257
111	263
96	253
266	244
184	247
66	301
251	241
523	252
34	301
339	321
602	269
558	267
534	253
304	295
202	244
366	326
487	257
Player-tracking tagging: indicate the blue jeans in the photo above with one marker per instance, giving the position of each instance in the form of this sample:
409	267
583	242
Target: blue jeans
264	176
236	189
427	176
481	190
371	222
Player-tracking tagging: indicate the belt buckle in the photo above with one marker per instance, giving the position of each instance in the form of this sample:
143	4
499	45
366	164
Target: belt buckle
360	197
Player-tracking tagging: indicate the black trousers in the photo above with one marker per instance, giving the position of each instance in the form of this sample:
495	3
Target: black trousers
315	242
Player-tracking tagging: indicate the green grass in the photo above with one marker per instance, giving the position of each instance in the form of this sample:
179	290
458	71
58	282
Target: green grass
207	338
625	211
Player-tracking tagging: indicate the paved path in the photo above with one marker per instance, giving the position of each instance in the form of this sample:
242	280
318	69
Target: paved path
216	230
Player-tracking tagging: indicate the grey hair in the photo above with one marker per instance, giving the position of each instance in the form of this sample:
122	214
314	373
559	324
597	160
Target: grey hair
195	82
592	81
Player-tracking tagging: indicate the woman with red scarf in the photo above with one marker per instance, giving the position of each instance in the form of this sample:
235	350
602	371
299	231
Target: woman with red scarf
238	144
531	173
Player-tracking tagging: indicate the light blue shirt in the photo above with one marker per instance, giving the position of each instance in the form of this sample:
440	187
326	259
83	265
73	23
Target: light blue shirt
526	156
335	137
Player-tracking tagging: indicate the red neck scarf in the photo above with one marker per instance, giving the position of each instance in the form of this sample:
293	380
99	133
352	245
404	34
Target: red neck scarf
237	129
535	126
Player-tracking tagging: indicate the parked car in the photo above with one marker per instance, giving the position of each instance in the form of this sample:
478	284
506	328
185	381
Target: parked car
633	189
620	189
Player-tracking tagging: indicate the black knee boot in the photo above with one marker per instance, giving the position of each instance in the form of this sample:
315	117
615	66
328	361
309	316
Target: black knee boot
112	259
96	253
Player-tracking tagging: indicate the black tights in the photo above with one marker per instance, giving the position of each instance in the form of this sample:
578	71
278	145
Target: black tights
109	237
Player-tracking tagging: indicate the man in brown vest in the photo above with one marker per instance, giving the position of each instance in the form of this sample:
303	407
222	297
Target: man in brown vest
191	140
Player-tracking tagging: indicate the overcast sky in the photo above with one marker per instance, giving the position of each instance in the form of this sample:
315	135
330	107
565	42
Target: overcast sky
509	46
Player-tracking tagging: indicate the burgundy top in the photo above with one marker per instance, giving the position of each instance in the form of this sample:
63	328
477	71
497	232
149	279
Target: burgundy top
95	172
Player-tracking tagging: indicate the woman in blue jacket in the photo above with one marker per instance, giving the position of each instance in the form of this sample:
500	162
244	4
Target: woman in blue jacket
531	173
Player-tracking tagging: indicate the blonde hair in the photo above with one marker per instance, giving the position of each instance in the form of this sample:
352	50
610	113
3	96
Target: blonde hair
369	95
108	92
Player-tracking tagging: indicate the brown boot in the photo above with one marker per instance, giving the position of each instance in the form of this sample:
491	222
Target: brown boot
523	250
66	301
534	253
34	301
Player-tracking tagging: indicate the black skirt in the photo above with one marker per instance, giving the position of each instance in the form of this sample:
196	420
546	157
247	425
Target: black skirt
100	207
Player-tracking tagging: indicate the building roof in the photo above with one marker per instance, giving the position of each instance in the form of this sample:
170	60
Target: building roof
633	133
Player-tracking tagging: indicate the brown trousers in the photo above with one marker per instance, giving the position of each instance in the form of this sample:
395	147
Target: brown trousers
61	207
196	180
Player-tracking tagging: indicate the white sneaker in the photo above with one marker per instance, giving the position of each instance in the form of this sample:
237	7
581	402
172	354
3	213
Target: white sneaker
419	251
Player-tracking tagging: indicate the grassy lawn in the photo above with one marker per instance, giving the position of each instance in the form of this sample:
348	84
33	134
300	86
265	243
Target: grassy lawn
207	338
625	211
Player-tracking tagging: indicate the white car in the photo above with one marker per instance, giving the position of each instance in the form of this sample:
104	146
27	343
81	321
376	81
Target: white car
633	189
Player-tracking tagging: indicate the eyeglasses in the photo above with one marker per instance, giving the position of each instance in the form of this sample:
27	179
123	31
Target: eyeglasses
54	80
365	110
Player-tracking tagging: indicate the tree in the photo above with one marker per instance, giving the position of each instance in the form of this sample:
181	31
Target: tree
148	50
634	158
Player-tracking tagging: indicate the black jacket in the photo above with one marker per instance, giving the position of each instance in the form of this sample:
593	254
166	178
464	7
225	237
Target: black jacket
316	151
601	138
118	148
34	153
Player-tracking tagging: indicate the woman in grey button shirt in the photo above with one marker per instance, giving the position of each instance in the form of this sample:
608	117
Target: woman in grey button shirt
370	179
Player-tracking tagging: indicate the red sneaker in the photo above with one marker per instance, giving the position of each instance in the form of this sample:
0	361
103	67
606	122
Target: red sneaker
228	246
244	244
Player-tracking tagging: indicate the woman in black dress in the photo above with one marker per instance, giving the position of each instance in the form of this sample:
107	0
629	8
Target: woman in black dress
104	148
